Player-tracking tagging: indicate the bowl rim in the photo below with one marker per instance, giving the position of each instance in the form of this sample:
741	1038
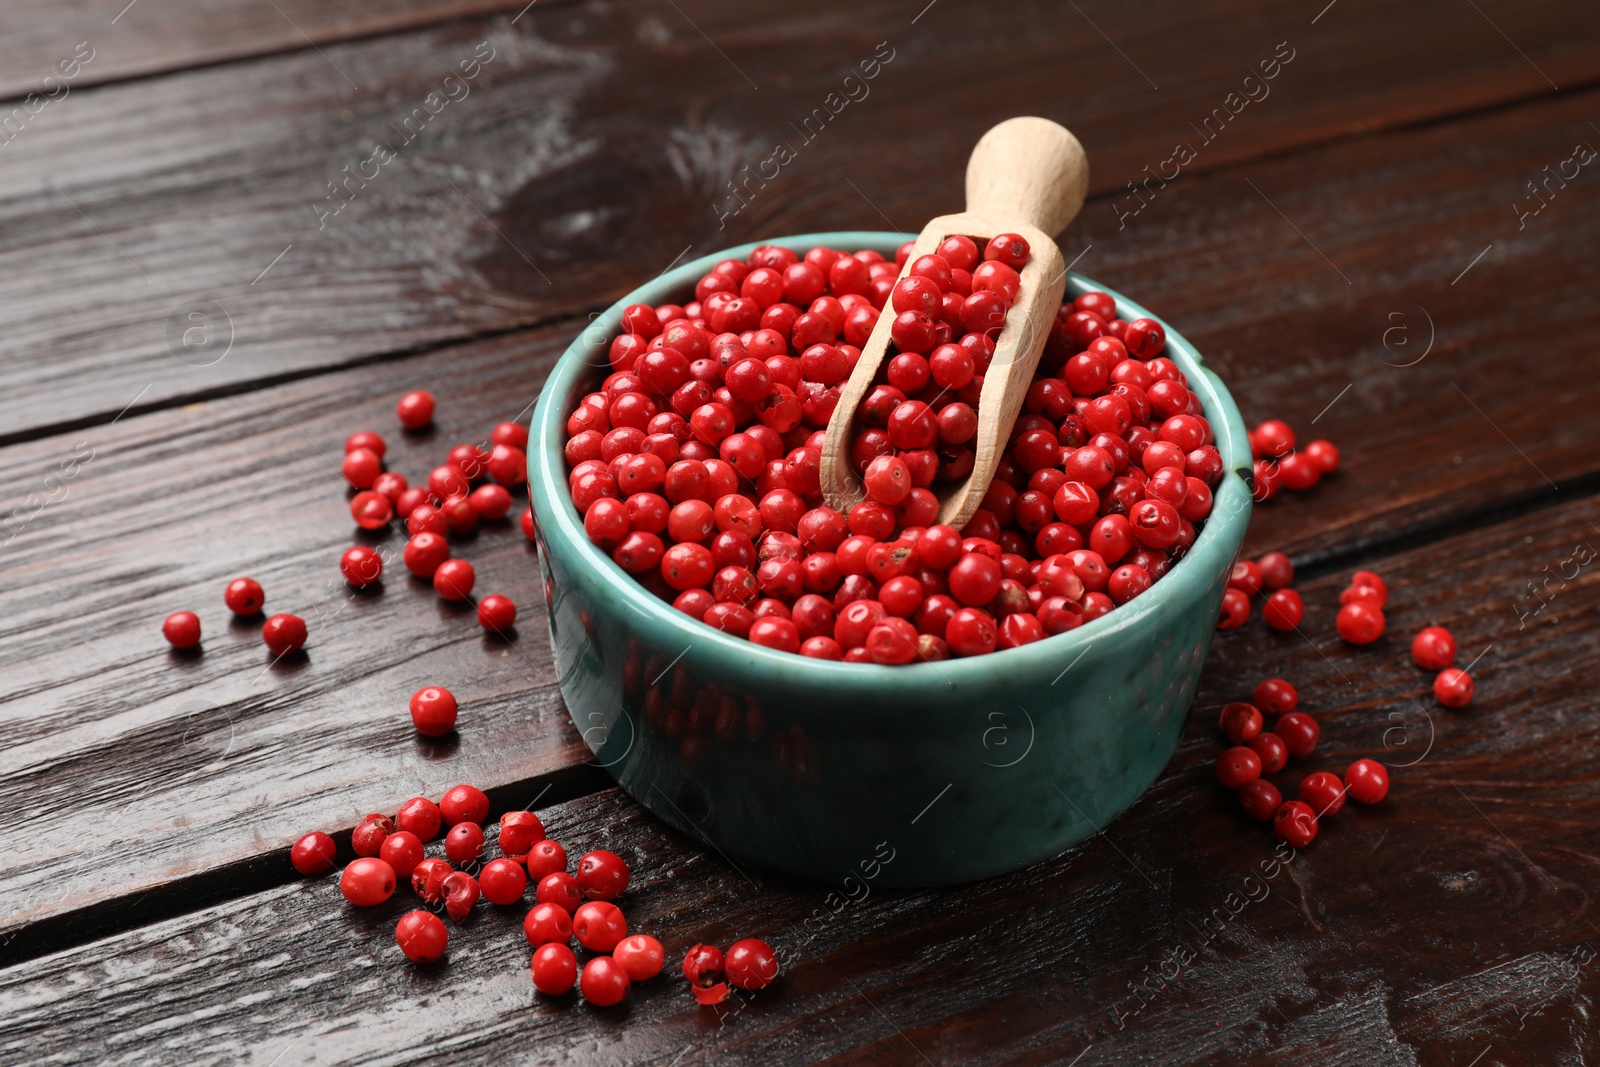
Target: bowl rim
555	515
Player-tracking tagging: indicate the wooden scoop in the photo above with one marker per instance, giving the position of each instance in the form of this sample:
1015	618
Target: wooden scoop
1026	176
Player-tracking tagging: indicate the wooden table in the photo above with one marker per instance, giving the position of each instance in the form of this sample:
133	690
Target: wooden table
1382	229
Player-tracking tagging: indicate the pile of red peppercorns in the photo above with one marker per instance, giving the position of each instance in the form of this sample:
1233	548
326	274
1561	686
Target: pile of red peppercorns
696	462
568	905
457	497
1278	465
1272	574
1257	752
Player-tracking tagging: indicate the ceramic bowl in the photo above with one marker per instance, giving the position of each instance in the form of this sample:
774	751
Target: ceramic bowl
856	774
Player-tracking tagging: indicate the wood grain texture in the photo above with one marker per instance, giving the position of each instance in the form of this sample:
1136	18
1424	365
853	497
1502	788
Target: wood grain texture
1371	198
180	764
131	40
1288	348
1452	918
566	176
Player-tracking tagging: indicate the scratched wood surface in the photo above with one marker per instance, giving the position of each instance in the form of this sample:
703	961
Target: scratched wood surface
1364	213
138	38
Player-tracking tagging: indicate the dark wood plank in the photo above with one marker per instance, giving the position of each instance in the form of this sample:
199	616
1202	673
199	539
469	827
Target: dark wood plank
184	764
1380	294
567	176
1451	919
130	40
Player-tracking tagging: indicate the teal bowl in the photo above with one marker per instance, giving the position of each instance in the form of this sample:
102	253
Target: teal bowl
857	774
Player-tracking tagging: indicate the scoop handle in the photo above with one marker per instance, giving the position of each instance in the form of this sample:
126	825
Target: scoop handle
1030	169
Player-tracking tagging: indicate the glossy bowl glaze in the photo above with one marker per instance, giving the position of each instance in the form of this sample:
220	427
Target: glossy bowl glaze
856	774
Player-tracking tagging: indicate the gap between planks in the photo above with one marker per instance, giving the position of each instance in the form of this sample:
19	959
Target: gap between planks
242	878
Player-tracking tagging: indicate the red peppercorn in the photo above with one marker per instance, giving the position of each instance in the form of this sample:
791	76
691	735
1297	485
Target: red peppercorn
371	510
561	889
1283	610
975	579
502	880
1240	722
419	816
366	439
1273	439
547	923
1245	576
464	803
425	553
528	529
422	936
1272	750
602	875
751	964
426	518
491	502
1434	648
599	925
361	566
1367	781
1360	622
392	487
433	713
1323	791
1373	584
1277	572
427	879
453	579
555	969
1260	799
1323	454
1276	696
519	831
1238	765
511	434
284	634
1453	687
1235	609
313	854
703	967
367	882
464	843
368	836
182	630
1299	732
545	858
361	467
244	597
460	894
497	613
604	982
415	409
1295	823
640	955
1298	471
